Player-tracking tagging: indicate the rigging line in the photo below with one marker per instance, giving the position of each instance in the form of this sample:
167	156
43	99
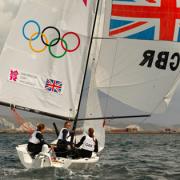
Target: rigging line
87	62
105	38
21	121
115	38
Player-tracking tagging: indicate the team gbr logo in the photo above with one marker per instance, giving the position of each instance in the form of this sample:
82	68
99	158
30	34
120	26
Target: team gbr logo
161	60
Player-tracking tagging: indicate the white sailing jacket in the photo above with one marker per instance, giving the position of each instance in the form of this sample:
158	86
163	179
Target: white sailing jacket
33	139
68	137
88	144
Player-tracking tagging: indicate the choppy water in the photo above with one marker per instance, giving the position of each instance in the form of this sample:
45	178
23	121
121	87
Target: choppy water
126	157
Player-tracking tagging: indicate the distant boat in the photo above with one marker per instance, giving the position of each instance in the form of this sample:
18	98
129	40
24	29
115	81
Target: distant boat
90	61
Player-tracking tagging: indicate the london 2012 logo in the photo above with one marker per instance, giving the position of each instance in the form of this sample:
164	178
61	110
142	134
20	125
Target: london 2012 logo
58	40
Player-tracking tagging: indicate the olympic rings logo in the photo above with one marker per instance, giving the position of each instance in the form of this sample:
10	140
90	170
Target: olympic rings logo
46	42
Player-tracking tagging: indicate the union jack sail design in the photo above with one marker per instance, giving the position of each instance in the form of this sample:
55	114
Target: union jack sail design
146	19
53	86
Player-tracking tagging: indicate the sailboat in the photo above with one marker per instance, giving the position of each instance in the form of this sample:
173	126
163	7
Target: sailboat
58	49
90	60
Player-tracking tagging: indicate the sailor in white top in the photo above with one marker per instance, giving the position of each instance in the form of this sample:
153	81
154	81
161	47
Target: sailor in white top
36	141
88	145
64	144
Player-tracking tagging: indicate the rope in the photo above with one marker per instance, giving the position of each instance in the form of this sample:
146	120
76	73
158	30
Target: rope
21	121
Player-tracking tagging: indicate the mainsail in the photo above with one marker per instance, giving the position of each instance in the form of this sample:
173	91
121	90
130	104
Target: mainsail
44	57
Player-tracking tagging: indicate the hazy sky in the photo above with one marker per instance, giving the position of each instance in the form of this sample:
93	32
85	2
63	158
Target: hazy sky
8	10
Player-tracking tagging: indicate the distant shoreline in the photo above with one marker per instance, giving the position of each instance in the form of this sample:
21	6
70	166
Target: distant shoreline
107	132
144	132
19	132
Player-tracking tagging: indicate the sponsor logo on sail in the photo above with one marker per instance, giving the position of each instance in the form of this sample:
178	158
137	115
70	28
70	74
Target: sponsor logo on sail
13	75
26	78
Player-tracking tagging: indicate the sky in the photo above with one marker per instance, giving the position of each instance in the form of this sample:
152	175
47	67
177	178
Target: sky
8	11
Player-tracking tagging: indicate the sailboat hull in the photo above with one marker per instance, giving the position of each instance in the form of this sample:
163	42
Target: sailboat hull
43	159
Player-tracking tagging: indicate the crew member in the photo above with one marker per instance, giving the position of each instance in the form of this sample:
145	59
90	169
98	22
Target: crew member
36	141
88	145
64	145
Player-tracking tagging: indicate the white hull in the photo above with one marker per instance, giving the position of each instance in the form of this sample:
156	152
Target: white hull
44	160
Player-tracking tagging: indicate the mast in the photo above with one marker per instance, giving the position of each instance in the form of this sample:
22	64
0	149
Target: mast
85	72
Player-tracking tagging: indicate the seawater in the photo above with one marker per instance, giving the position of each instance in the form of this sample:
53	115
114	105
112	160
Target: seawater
126	157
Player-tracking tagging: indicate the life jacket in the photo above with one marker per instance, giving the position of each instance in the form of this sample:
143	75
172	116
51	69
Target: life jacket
33	139
88	143
68	137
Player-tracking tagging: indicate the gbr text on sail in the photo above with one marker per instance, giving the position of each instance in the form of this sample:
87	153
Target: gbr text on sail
161	60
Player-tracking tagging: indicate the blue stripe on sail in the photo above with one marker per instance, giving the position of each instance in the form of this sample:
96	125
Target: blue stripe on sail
147	34
114	23
178	40
125	0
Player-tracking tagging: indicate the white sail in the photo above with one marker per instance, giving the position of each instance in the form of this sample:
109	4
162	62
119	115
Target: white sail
30	74
90	105
93	108
133	69
93	105
123	76
167	99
